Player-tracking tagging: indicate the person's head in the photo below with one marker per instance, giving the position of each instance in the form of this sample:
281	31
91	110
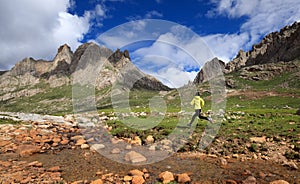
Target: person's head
197	93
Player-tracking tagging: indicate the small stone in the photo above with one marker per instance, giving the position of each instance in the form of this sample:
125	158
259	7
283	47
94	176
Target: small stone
223	161
183	178
5	163
77	137
137	141
97	147
64	142
35	164
138	180
84	146
291	164
134	157
152	148
262	175
250	180
128	147
99	181
279	182
54	169
136	172
235	156
230	182
80	142
115	151
127	178
56	140
149	139
166	177
258	139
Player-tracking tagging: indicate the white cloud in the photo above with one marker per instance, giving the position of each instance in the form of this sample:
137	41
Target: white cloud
153	14
263	17
225	46
35	28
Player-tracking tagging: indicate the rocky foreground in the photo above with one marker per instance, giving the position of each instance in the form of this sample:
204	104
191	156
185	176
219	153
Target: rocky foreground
50	149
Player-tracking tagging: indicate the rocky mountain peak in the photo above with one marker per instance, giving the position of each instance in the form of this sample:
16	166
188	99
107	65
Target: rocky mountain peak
210	70
274	47
64	54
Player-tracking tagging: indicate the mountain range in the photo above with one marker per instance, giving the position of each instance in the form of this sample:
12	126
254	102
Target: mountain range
43	83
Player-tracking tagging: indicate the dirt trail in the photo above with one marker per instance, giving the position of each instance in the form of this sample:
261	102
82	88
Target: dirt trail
77	164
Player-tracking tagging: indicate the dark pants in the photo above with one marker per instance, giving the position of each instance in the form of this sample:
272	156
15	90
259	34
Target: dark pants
198	113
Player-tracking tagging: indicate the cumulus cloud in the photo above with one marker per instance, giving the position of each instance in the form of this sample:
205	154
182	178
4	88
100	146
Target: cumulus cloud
36	28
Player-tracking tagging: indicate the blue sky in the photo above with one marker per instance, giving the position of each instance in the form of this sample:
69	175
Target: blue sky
35	28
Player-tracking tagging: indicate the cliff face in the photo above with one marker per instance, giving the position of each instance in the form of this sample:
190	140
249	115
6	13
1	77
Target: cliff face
275	47
210	70
85	61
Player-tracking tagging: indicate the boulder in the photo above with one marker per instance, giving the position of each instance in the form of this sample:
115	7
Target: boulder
166	177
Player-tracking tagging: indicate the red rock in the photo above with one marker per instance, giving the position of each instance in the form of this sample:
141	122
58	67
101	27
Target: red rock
137	180
56	140
99	181
35	164
79	142
127	178
250	180
4	143
231	182
279	182
64	142
27	150
5	163
136	172
54	169
166	177
183	178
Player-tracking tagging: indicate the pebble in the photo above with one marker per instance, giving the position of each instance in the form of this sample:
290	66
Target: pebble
84	146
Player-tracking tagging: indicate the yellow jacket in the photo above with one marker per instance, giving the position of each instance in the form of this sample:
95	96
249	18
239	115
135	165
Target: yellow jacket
198	102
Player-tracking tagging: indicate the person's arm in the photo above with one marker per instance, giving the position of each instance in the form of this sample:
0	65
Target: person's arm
201	103
193	101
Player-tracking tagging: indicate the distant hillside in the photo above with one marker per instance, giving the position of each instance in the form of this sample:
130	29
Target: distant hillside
275	47
40	84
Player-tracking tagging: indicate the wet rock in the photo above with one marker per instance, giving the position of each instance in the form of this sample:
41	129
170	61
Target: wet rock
134	157
250	180
166	177
279	182
138	180
183	178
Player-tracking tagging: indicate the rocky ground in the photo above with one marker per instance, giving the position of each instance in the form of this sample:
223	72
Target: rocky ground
53	150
